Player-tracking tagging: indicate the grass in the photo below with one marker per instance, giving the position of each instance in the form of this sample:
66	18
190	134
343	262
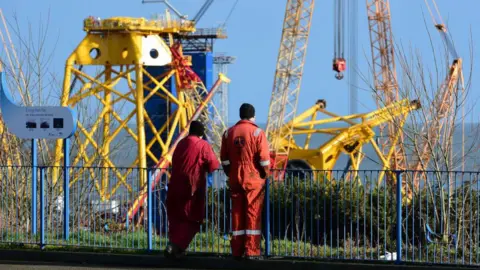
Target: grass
136	243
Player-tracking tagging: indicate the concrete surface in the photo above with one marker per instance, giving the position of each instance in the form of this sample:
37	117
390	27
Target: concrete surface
90	260
53	267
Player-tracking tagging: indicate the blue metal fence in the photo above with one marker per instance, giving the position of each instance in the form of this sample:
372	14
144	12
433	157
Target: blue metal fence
308	214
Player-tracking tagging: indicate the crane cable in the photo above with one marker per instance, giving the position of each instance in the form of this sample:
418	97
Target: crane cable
440	25
431	13
339	27
230	13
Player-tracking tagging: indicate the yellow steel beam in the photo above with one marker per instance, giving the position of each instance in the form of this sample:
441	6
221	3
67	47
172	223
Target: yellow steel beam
348	140
159	85
121	54
155	132
97	89
309	136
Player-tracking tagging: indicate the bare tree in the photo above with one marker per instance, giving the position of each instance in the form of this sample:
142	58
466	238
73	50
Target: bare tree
436	138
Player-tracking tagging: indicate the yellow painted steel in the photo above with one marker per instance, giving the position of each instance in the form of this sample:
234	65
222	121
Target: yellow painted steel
288	76
138	25
111	100
347	140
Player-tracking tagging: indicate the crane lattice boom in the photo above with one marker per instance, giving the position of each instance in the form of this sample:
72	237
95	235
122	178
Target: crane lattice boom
288	76
384	75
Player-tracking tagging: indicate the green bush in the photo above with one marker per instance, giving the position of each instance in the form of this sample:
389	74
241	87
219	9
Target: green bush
343	213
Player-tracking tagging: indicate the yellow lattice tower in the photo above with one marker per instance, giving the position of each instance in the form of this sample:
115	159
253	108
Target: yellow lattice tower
122	48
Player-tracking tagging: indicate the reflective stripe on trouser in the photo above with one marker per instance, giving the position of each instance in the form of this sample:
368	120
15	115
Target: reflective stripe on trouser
247	222
181	232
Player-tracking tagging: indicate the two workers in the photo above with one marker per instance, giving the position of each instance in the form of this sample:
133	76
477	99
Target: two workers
245	159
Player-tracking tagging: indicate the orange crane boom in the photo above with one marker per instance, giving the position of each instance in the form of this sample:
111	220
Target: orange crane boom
385	77
443	101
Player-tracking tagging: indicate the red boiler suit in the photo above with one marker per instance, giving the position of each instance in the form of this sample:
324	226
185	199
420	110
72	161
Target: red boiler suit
245	150
192	159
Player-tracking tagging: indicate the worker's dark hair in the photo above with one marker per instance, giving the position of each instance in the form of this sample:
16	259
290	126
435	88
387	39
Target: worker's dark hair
196	128
247	111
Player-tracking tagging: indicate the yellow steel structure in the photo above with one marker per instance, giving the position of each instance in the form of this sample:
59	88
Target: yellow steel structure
345	140
288	77
121	48
282	125
385	77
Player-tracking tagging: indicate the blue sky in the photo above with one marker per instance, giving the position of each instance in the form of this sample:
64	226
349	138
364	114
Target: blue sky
254	31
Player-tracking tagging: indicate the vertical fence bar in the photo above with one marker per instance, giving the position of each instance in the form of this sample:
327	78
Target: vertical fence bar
267	221
399	216
66	188
42	208
149	205
34	186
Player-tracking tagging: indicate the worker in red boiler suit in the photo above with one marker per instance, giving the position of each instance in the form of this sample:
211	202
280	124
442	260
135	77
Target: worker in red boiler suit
246	159
192	159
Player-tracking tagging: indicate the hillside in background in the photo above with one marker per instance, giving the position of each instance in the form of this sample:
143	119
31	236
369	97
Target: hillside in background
126	150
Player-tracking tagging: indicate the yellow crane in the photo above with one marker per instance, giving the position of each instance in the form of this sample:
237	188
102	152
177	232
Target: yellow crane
288	77
347	140
282	124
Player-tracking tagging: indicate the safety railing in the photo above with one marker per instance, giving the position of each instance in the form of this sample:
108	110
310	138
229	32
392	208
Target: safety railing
123	23
308	214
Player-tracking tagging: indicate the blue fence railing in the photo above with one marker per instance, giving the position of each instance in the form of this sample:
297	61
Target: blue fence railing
308	214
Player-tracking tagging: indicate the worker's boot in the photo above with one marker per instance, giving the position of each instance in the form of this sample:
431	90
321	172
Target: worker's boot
172	251
169	252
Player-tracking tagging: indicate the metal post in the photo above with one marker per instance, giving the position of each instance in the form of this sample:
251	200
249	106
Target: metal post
267	218
66	187
42	209
34	186
149	205
399	216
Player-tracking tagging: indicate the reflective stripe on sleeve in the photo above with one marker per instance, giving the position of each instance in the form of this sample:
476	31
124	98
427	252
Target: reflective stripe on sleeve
253	232
237	233
257	132
226	162
264	163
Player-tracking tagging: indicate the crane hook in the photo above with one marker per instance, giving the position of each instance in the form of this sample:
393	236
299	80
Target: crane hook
339	65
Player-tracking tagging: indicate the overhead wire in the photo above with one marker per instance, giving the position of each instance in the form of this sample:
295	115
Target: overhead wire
230	13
